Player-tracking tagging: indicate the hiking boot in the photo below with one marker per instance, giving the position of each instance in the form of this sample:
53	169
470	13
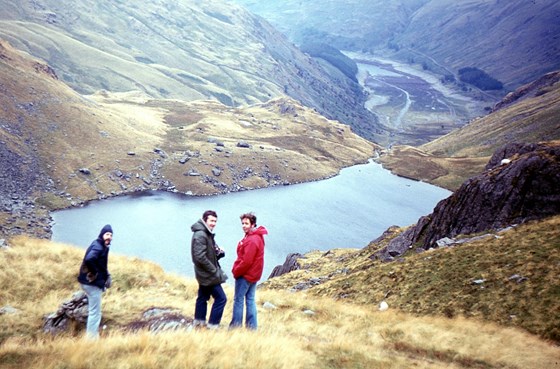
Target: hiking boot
199	324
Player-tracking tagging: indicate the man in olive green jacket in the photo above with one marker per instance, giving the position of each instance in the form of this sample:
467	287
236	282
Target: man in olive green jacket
210	276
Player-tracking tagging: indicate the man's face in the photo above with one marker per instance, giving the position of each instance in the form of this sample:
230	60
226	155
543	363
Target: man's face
107	237
246	225
211	222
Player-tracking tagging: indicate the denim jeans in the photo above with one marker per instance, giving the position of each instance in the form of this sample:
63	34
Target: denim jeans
94	310
244	292
220	299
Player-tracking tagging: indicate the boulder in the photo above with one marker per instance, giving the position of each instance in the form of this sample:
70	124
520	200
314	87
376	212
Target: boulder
73	310
289	264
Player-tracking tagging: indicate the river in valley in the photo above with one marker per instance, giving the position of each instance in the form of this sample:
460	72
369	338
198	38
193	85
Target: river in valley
345	211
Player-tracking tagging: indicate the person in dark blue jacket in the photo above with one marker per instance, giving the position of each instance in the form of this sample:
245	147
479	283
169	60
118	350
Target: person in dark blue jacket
94	278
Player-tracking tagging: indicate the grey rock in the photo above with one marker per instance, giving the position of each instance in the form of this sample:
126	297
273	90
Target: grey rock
85	171
8	310
289	265
243	144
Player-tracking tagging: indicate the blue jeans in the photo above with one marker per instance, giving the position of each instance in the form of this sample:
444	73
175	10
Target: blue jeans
244	292
220	299
94	310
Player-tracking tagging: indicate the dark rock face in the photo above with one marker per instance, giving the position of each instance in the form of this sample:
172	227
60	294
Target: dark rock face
289	264
73	310
522	188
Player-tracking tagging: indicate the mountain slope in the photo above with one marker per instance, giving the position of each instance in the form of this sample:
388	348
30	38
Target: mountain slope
59	148
508	277
513	41
527	115
296	330
182	50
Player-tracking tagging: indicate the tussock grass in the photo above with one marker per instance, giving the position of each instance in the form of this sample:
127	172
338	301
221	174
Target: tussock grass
517	271
302	331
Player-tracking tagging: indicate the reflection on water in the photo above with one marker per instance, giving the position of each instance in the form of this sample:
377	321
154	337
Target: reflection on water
348	210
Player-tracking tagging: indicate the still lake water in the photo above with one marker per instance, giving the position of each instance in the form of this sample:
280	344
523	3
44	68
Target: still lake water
346	211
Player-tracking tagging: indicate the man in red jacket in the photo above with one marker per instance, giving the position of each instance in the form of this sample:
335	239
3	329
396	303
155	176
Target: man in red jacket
247	271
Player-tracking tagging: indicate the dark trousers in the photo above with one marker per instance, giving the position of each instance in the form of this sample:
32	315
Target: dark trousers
201	307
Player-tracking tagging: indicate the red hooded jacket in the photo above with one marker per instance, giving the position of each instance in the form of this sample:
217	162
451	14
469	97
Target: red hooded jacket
250	256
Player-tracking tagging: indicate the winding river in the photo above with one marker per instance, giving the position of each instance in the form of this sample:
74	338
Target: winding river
346	211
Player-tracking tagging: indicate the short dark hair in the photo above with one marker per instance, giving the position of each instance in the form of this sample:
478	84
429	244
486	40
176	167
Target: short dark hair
252	218
208	213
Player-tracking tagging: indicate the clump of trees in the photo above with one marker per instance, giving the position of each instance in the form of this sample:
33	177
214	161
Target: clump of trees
332	55
479	78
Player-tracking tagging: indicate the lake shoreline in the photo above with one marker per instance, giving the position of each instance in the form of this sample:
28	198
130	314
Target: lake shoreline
312	215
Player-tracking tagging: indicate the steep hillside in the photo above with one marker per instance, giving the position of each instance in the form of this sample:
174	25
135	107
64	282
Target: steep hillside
60	148
527	115
514	42
491	250
184	50
296	330
506	276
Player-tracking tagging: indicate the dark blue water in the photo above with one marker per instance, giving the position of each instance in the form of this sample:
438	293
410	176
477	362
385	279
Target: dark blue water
346	211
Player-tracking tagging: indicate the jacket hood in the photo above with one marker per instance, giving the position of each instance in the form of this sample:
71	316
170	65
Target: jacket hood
260	230
106	228
200	225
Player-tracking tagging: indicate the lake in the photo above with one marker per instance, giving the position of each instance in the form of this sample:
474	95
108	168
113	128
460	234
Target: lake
345	211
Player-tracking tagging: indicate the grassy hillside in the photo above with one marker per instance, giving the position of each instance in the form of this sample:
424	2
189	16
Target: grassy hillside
187	50
62	148
451	159
303	331
509	277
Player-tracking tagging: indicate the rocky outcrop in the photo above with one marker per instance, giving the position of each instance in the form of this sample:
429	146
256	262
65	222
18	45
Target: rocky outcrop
73	314
289	265
158	319
521	183
536	88
73	311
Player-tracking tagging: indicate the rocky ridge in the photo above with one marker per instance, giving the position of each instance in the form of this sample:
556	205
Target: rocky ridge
520	184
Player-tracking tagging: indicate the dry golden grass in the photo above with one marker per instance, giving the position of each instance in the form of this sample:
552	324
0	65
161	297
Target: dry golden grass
303	331
115	136
519	268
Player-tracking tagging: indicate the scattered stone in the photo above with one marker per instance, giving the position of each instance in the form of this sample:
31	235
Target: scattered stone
216	171
160	152
8	310
243	144
158	319
445	241
269	306
518	278
85	171
192	173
